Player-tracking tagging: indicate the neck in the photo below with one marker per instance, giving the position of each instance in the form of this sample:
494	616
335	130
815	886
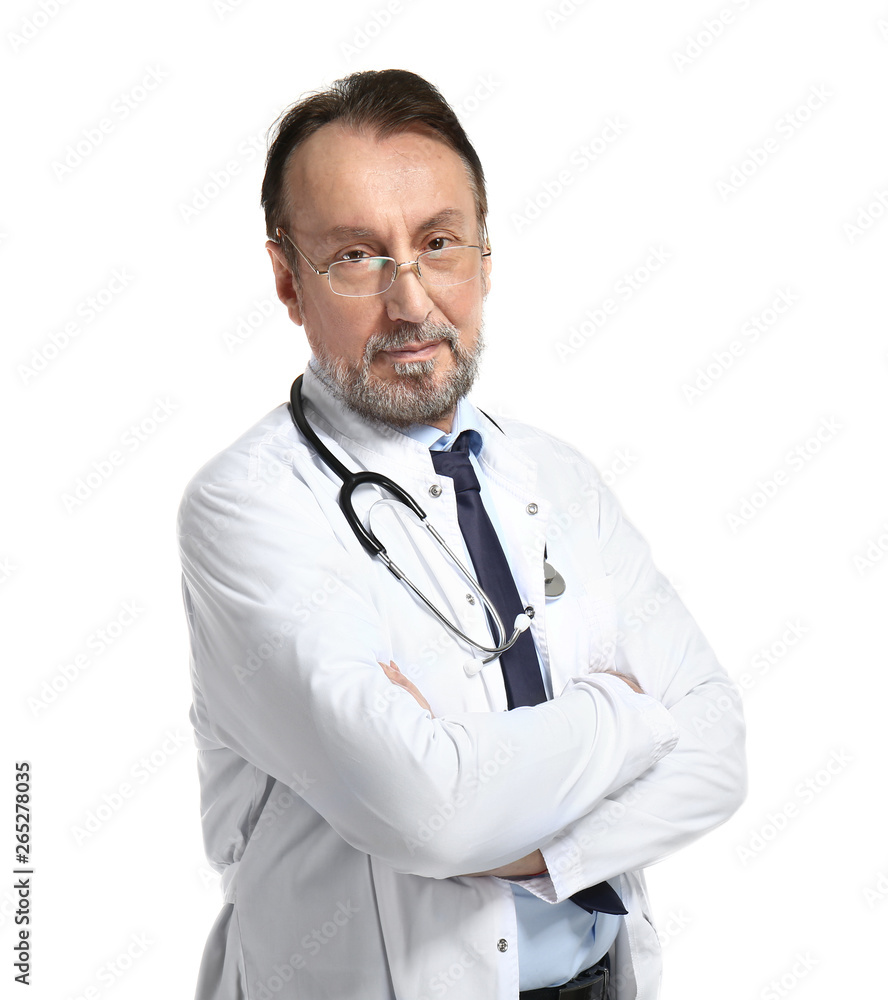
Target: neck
445	423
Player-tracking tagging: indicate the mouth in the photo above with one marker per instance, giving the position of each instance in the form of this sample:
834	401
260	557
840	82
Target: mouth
420	351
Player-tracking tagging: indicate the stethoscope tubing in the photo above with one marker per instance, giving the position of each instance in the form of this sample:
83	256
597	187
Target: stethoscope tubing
350	482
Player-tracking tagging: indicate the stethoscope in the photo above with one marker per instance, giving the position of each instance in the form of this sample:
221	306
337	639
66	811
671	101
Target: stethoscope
352	480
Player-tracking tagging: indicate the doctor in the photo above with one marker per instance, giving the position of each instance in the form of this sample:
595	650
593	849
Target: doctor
390	819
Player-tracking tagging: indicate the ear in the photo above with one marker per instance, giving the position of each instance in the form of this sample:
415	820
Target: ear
285	281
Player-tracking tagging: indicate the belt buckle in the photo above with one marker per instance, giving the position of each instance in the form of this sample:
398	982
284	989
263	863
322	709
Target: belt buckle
594	988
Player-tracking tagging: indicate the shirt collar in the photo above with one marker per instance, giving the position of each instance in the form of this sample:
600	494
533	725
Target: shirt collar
465	418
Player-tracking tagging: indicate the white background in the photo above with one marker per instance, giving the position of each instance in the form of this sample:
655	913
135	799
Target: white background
169	199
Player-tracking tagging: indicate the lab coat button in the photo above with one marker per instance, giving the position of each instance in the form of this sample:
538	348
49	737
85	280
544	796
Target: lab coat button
470	598
532	508
435	491
502	944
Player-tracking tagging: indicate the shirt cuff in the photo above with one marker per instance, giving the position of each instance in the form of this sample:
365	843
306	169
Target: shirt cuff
540	885
664	732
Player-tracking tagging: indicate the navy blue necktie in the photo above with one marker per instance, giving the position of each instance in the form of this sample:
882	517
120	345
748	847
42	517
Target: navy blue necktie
520	666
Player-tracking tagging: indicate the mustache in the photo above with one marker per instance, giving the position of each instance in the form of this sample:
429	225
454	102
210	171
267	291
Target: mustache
409	333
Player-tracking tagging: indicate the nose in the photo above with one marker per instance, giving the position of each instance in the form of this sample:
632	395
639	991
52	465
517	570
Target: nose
408	299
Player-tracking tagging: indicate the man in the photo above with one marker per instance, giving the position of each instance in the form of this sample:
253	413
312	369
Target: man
398	812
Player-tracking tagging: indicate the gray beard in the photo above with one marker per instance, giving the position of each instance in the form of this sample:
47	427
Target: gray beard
414	395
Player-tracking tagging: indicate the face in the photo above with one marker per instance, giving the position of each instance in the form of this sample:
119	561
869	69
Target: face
407	355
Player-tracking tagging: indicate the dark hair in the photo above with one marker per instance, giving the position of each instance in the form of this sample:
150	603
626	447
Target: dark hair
388	102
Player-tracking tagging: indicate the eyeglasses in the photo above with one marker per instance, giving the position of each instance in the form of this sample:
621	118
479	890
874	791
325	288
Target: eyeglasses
375	275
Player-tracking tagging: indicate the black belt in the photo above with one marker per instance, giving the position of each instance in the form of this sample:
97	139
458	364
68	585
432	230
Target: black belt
588	985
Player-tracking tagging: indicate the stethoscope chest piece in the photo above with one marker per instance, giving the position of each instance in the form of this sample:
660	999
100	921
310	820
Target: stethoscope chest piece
554	580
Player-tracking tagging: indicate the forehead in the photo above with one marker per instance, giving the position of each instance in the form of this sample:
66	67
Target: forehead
352	179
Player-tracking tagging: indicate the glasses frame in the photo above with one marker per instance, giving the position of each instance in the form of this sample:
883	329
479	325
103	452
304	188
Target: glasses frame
406	263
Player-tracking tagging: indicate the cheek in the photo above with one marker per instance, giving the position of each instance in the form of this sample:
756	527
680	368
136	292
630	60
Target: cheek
340	332
465	307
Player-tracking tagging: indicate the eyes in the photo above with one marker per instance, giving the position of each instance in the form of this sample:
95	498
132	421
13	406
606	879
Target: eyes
439	243
432	243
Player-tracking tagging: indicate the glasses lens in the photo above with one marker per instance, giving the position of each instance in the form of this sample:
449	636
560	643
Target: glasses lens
365	276
450	266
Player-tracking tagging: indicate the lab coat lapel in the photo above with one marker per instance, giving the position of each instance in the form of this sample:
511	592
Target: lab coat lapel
523	514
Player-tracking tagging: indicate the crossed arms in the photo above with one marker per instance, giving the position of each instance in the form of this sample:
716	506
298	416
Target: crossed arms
620	779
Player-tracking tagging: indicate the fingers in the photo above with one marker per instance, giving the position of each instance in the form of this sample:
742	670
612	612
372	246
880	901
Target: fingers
631	681
394	674
396	677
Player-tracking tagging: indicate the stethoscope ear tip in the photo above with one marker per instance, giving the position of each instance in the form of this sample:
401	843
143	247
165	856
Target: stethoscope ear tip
473	666
522	623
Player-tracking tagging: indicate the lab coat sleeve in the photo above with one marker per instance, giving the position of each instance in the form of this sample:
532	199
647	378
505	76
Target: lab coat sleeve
703	781
286	643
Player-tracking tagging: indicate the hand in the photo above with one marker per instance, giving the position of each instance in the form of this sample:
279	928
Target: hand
530	864
631	681
396	677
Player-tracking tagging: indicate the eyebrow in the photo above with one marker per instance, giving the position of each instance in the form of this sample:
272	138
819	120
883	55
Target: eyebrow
443	217
338	233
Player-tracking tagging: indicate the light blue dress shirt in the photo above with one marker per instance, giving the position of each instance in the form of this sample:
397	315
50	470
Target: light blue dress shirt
555	940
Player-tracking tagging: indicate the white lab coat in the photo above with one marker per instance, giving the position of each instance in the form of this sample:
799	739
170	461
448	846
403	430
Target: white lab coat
342	816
